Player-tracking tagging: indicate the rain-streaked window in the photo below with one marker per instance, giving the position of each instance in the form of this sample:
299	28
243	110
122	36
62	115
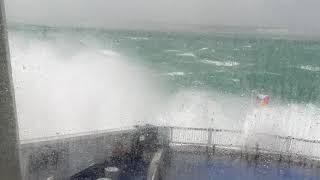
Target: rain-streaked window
175	89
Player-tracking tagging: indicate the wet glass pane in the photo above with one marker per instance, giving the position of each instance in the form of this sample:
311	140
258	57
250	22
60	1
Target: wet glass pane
176	89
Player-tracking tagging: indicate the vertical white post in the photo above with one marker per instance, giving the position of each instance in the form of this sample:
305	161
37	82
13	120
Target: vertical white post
209	137
9	142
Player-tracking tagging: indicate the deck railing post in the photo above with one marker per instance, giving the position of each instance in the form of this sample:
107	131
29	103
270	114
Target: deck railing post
171	134
289	143
256	152
209	137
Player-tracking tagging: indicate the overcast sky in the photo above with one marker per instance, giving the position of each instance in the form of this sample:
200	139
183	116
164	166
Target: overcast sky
302	15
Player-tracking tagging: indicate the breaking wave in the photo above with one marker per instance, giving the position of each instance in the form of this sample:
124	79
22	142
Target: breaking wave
63	87
217	110
80	89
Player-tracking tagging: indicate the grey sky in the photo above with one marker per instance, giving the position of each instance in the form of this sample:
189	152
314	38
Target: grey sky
302	15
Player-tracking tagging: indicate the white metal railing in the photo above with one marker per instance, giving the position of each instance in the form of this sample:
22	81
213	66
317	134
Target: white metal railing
234	138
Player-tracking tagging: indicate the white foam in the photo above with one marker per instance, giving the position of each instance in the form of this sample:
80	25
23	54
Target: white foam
310	68
190	108
202	109
235	80
247	46
202	49
139	38
172	50
176	74
221	63
186	54
296	120
109	53
272	73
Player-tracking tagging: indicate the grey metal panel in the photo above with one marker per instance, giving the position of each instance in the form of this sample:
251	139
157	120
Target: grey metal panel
9	157
62	157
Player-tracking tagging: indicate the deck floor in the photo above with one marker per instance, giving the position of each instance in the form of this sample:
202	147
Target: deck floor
187	166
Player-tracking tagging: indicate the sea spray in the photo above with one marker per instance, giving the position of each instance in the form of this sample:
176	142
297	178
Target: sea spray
84	89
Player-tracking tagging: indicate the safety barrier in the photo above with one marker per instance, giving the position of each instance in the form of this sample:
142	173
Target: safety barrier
261	142
61	157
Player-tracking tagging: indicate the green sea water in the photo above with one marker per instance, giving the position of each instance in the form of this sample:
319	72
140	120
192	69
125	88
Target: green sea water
208	79
238	64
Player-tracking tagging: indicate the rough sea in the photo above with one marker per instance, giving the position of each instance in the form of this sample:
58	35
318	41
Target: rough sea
73	80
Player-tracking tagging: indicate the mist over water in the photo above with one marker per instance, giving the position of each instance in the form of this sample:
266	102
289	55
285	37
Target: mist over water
285	16
71	81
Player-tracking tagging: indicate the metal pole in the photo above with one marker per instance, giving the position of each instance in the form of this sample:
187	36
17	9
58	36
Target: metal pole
9	142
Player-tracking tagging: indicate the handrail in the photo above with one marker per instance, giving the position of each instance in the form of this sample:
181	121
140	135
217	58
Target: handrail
255	143
241	132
